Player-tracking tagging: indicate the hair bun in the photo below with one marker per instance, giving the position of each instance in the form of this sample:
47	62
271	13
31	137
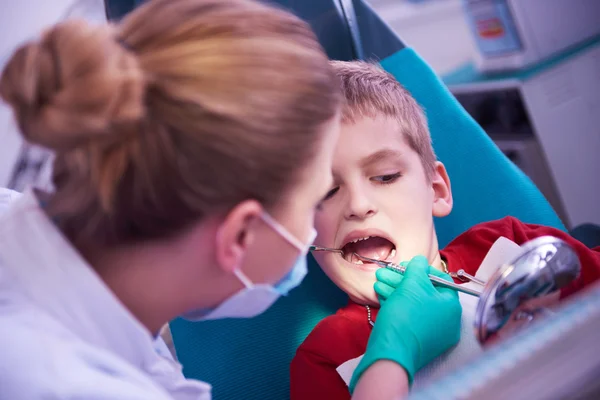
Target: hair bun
75	85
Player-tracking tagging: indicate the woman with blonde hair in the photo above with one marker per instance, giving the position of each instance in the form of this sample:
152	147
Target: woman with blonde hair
193	142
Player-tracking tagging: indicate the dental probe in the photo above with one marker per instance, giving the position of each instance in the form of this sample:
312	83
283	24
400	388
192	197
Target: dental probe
436	280
401	269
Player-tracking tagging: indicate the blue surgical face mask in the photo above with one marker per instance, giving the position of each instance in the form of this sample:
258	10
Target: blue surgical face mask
254	299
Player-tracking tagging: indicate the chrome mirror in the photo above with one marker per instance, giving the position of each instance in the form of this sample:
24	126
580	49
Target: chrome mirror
523	289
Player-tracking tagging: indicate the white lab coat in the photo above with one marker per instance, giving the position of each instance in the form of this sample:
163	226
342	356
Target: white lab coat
63	333
7	197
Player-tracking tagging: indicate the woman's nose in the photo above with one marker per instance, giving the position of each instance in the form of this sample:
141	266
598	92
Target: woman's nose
360	205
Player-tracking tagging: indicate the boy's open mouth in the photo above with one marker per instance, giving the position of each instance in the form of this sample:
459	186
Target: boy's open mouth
375	247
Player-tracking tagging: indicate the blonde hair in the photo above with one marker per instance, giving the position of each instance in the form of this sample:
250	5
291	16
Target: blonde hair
183	109
370	91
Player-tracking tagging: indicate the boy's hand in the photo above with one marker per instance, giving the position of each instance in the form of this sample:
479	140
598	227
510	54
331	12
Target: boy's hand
388	280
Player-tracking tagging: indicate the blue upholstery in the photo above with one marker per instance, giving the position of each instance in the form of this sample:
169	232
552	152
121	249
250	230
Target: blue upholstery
485	184
250	359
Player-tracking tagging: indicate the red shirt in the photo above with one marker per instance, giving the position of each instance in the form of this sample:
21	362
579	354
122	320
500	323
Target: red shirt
344	335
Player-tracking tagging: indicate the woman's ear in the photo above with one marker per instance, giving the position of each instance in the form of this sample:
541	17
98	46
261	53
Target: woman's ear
235	234
442	192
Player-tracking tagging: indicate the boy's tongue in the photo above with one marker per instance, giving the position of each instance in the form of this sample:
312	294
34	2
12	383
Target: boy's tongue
374	247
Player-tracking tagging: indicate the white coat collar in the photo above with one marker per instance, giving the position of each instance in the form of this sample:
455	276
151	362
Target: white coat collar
43	266
7	197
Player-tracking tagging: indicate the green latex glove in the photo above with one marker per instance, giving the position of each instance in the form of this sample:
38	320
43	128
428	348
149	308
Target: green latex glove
417	323
388	280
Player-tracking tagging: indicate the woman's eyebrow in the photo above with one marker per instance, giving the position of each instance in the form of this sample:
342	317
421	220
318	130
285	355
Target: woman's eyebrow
378	156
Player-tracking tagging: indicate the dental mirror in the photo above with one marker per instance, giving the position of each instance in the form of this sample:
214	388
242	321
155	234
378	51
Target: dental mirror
515	294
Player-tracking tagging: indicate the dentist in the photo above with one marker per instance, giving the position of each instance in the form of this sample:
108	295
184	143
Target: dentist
191	142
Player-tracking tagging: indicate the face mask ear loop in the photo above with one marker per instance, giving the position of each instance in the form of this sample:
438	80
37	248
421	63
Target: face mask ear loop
243	278
291	239
311	240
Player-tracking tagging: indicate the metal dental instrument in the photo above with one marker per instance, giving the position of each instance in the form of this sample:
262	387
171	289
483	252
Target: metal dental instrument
463	276
401	269
436	280
319	248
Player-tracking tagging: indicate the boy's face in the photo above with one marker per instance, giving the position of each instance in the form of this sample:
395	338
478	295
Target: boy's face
381	192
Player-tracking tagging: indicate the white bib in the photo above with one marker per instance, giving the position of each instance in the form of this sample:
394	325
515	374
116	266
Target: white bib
468	347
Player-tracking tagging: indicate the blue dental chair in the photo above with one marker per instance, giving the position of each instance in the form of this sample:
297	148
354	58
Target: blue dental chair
249	359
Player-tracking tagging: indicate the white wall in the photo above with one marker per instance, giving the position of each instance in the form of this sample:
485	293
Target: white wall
22	20
436	29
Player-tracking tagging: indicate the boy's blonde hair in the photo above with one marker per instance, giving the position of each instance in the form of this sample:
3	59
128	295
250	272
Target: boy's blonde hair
369	91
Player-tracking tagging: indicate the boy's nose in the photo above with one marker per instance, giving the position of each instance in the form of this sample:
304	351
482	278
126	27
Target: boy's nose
360	206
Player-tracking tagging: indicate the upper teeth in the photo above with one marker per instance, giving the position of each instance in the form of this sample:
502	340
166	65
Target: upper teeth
359	239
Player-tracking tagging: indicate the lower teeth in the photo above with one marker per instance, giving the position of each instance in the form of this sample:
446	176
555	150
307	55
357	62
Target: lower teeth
392	254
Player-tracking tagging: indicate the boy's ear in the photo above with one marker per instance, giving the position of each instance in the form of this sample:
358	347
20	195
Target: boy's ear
442	192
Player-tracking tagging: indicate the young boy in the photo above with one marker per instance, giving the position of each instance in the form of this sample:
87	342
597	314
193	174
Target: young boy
388	187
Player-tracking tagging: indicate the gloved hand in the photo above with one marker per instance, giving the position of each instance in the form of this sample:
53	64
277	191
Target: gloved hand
388	280
417	323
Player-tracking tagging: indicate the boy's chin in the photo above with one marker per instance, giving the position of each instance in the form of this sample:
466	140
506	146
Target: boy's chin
365	299
358	285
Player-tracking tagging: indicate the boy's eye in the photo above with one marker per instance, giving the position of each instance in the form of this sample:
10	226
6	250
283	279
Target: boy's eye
391	178
329	195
